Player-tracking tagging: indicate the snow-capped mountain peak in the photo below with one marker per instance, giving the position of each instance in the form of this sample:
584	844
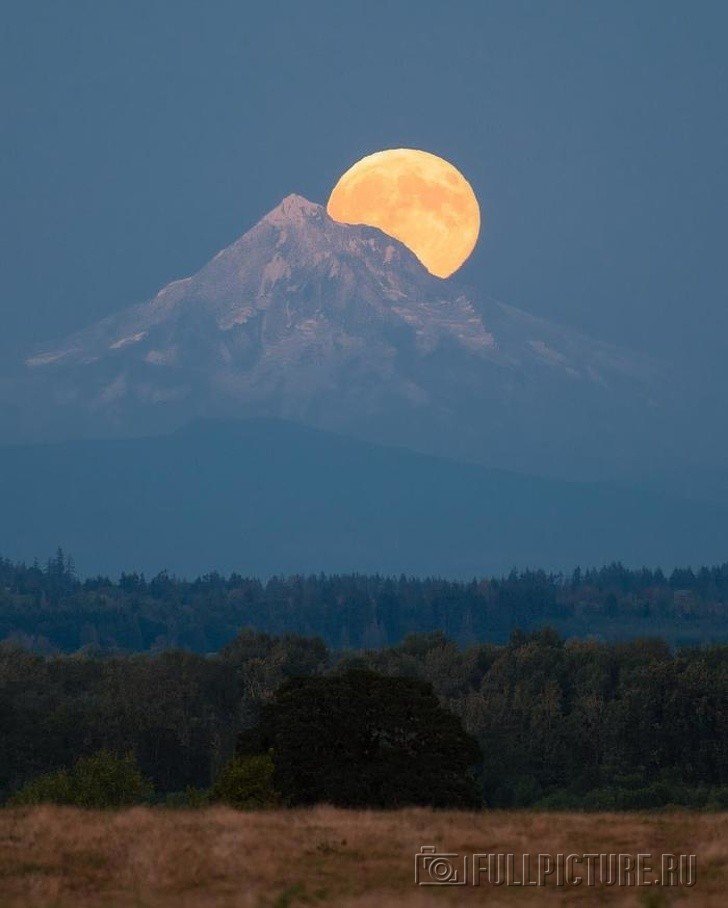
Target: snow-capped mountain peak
337	325
294	209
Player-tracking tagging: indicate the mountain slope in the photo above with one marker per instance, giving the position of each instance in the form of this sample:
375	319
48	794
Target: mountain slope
340	327
263	496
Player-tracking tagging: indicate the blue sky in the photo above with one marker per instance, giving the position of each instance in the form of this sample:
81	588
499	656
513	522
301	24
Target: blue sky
138	138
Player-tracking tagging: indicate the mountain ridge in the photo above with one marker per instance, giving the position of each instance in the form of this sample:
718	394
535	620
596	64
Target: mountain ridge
273	497
341	327
296	211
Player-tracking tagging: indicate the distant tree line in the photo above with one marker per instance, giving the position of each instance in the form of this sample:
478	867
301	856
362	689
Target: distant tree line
47	608
555	723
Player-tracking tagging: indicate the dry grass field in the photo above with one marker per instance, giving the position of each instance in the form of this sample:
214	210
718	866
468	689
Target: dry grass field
323	856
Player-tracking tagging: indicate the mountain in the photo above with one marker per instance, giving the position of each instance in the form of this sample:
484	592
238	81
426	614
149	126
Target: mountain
266	496
342	328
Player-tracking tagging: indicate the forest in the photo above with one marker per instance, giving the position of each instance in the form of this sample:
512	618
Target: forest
48	608
558	723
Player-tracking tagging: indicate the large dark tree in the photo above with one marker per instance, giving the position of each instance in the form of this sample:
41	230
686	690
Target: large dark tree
364	739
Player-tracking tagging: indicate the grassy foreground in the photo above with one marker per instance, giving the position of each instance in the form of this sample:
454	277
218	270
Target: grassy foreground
216	856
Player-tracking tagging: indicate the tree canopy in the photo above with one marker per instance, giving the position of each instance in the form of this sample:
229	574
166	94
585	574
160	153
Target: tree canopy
363	739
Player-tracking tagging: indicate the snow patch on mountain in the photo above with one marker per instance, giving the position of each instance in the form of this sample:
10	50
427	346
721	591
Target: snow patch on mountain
125	341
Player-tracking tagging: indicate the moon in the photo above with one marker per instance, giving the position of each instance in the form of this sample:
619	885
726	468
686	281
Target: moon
416	197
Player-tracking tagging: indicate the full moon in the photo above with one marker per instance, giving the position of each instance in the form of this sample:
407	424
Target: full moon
416	197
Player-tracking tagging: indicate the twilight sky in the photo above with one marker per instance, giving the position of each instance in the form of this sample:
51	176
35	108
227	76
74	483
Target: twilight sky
138	138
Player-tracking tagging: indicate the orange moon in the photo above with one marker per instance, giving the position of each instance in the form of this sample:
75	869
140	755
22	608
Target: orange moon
416	197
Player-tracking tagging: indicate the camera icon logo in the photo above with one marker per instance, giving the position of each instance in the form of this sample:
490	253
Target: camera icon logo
433	869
